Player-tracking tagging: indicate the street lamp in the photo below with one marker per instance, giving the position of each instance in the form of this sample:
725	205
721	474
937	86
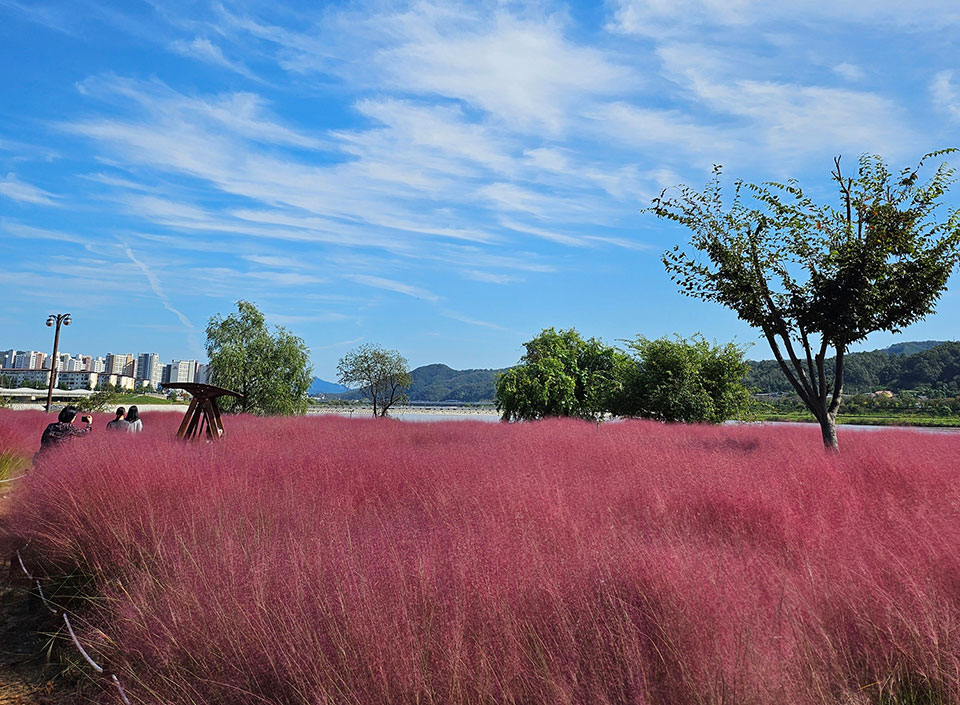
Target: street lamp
58	318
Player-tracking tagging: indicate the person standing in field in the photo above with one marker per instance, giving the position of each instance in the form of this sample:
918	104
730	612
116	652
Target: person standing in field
134	424
63	429
118	424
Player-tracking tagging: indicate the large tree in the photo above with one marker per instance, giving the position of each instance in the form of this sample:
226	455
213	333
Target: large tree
689	381
383	376
561	374
270	369
815	277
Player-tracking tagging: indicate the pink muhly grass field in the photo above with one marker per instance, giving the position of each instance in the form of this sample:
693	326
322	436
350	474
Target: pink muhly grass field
330	560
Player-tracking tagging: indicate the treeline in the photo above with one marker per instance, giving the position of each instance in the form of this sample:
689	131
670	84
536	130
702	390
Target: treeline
933	370
668	379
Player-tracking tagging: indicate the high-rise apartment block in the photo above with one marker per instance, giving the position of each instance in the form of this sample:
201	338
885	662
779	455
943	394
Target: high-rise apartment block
148	369
119	364
180	371
204	374
28	360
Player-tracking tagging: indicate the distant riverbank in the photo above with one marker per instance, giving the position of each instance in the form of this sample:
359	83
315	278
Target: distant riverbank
442	412
414	413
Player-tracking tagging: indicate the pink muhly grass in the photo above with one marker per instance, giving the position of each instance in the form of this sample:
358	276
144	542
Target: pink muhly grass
327	560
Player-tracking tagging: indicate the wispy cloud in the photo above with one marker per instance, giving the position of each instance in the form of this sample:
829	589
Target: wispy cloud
391	285
457	316
31	233
490	277
203	49
339	344
945	93
18	190
157	289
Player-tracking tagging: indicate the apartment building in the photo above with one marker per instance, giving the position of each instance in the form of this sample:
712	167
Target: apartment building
117	364
148	370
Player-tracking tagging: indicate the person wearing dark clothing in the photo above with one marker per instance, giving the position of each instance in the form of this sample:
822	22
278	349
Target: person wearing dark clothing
118	424
56	433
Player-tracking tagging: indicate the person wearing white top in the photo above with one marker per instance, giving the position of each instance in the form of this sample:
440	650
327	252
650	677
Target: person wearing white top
134	424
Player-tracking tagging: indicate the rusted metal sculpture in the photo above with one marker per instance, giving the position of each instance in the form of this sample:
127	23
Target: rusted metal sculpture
203	414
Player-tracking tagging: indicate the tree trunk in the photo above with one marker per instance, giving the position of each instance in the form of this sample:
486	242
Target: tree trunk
828	428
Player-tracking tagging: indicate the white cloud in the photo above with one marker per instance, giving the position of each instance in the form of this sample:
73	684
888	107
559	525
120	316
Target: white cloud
850	72
457	316
157	289
17	190
203	49
286	319
29	232
339	344
443	129
525	73
790	120
660	18
945	94
489	277
392	285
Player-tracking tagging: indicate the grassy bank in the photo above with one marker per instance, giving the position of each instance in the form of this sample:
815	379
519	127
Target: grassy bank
866	419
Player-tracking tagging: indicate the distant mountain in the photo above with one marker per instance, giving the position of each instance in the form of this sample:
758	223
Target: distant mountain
911	347
929	367
321	386
439	383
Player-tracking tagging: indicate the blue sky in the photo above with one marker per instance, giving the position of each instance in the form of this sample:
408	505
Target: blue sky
443	179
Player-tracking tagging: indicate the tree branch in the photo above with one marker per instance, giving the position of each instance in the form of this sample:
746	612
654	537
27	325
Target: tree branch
781	326
818	389
799	388
845	188
837	383
821	372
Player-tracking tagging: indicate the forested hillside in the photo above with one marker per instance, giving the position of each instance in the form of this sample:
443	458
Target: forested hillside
928	367
439	383
442	383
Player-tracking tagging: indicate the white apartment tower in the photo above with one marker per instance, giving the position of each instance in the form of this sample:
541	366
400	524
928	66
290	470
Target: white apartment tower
149	369
183	371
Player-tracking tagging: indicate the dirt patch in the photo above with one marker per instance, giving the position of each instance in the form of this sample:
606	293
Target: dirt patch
30	671
27	677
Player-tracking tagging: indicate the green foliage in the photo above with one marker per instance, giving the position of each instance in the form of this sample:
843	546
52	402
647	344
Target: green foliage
5	382
271	370
680	380
381	375
11	464
441	383
932	371
812	276
561	374
99	401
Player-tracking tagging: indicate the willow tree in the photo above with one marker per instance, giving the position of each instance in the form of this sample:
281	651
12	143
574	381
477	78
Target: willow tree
814	277
270	369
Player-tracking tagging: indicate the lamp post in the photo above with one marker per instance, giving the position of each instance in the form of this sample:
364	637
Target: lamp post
58	318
